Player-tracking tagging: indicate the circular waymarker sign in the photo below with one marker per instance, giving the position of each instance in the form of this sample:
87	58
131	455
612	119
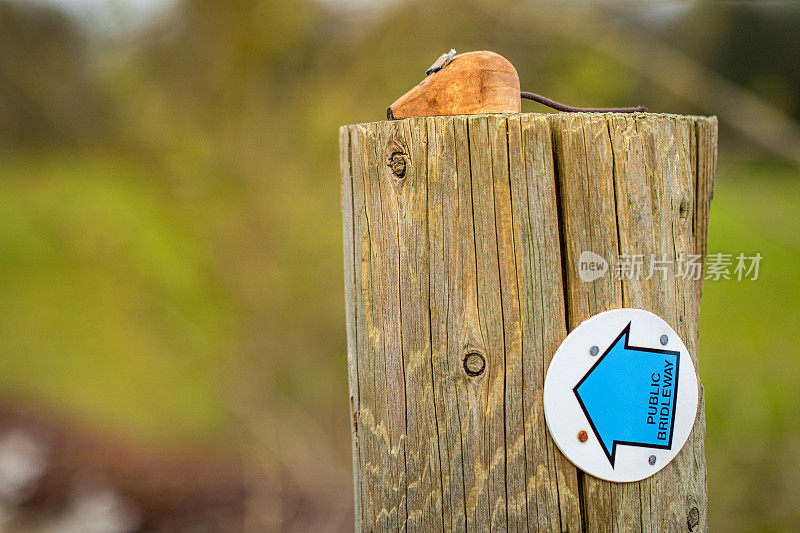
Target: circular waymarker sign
620	395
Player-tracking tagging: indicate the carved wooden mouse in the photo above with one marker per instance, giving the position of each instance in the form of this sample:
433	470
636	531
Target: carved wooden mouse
475	83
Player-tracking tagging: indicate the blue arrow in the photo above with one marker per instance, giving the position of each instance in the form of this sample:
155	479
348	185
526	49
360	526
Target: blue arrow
629	396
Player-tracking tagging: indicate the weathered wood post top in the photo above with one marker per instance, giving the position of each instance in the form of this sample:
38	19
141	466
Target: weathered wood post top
462	236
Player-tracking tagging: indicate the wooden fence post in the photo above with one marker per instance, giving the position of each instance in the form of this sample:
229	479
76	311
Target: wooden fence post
461	236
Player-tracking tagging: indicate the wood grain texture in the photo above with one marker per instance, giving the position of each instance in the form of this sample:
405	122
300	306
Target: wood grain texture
461	236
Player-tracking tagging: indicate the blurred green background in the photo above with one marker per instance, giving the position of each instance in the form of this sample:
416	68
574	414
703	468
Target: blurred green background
170	234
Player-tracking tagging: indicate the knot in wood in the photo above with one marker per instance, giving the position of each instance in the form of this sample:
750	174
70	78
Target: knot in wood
474	364
684	206
397	162
693	520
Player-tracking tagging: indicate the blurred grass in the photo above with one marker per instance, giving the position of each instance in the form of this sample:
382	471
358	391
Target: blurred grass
750	352
110	309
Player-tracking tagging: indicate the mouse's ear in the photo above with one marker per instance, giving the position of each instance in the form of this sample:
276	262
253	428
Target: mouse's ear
468	84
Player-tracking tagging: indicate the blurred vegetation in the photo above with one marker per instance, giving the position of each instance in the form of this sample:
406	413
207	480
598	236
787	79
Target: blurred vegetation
170	248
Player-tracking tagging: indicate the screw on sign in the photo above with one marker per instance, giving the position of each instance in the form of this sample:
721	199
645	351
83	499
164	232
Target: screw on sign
638	397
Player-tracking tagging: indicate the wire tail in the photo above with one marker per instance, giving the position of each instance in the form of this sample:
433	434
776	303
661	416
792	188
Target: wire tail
569	109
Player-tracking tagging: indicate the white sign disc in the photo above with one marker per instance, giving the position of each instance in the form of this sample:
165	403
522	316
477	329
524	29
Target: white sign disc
620	395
